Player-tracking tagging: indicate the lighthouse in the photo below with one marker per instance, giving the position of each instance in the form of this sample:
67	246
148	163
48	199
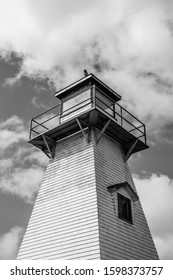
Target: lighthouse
87	206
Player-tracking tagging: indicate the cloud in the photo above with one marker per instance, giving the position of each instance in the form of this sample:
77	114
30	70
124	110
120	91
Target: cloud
22	182
165	247
22	166
30	156
129	45
156	192
37	104
10	242
5	164
12	131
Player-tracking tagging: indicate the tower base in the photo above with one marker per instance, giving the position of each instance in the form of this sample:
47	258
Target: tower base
76	213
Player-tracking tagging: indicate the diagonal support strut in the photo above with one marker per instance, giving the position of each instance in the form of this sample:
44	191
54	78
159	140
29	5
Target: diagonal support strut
103	130
82	130
50	145
128	154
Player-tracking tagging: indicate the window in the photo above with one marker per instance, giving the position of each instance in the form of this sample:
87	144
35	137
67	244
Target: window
124	208
104	103
76	105
77	101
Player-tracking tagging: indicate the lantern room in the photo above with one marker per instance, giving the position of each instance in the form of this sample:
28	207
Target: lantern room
84	104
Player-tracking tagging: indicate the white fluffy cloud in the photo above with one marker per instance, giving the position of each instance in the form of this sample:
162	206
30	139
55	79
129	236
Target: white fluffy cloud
22	182
156	194
12	131
21	166
10	242
128	43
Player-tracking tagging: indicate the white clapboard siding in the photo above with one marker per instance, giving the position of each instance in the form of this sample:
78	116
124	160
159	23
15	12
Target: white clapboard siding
119	239
75	216
64	222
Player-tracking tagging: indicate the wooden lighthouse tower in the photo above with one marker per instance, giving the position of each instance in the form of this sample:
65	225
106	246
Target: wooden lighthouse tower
88	206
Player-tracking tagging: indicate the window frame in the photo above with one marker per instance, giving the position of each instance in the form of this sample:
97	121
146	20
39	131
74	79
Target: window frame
124	214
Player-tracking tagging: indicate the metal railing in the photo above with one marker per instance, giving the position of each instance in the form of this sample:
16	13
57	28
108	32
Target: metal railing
124	118
54	117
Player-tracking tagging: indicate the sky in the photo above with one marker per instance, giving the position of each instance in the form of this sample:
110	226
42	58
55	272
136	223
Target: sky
44	46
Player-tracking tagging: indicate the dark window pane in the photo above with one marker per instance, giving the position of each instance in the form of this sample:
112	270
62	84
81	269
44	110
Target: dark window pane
124	208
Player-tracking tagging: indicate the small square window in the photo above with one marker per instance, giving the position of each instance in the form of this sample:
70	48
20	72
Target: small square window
124	208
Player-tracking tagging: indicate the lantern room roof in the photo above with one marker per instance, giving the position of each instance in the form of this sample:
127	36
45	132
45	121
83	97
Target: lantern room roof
89	80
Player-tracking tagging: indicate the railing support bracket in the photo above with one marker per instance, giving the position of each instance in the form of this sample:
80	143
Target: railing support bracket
50	145
103	130
128	154
82	130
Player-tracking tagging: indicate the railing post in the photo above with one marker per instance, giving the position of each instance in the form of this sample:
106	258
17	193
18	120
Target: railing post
94	95
60	113
30	129
114	114
145	137
121	117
